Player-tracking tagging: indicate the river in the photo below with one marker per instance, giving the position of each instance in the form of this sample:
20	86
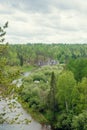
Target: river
16	118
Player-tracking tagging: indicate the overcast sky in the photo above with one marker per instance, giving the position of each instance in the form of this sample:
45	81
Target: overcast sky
45	21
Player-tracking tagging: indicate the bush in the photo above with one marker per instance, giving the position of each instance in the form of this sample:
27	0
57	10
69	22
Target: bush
39	77
80	122
64	121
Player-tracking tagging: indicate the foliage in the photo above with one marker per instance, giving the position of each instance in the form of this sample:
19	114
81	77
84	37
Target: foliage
56	92
44	54
80	121
36	87
65	86
78	67
3	55
6	75
64	121
59	99
52	98
3	32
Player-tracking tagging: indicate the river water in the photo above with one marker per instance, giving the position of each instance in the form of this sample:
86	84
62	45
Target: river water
16	118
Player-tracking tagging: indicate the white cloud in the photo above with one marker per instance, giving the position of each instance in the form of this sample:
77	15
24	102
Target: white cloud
44	21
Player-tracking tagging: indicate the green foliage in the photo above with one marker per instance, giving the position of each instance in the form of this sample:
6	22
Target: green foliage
52	98
6	75
42	54
3	32
59	96
82	88
65	86
3	55
56	95
64	121
79	122
78	67
36	88
39	77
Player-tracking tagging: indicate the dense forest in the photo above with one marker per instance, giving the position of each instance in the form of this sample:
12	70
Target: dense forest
36	53
55	92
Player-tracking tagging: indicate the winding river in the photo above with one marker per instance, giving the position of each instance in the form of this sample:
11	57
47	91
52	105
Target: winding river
16	118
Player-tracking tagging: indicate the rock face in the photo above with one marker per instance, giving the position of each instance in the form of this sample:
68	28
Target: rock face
13	112
47	62
15	118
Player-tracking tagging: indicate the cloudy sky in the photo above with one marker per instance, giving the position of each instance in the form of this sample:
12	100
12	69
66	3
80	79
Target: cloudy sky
45	21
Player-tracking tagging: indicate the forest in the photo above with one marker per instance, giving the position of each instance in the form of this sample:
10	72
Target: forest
55	92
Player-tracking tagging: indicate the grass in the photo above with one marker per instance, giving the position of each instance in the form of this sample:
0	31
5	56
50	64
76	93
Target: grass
24	68
27	68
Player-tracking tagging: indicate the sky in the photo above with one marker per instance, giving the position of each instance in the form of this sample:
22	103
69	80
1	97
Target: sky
45	21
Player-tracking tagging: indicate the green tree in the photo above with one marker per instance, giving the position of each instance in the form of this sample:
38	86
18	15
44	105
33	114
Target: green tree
52	98
79	122
3	52
65	85
3	32
82	88
78	67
